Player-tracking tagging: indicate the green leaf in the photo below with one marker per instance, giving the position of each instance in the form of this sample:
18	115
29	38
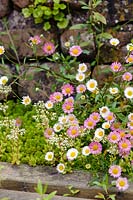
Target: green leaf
56	1
62	6
59	17
104	35
26	12
99	18
78	26
112	196
39	188
46	26
63	24
100	196
50	196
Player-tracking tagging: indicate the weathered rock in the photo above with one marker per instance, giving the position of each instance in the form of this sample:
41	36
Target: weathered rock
4	8
109	54
25	178
102	74
20	39
21	3
21	195
116	11
37	84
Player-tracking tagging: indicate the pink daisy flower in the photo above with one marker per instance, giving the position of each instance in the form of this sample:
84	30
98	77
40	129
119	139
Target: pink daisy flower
129	59
48	48
116	66
130	124
95	117
68	107
57	96
18	122
72	119
115	126
48	133
122	183
115	171
35	40
69	99
114	137
124	145
81	88
127	76
95	147
67	89
75	51
89	123
110	117
73	131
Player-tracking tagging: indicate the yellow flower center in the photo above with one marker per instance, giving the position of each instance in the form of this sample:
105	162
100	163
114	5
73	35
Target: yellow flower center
130	48
1	51
124	145
75	51
130	59
100	133
90	123
73	154
92	85
113	137
49	48
95	147
122	183
73	132
87	151
115	171
68	90
130	93
50	156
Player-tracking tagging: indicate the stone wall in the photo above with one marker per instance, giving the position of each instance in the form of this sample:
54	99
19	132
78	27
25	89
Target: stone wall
119	15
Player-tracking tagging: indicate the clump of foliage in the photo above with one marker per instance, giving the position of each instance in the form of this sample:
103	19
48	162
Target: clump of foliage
43	11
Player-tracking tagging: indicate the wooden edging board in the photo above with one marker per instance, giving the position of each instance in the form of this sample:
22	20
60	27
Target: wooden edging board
25	178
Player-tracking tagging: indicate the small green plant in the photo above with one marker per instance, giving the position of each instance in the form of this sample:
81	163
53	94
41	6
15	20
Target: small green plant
72	190
44	12
41	190
105	185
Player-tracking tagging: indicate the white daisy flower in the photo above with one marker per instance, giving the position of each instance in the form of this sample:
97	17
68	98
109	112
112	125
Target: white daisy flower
130	117
49	104
72	154
2	50
60	167
129	47
86	151
99	133
113	90
129	92
106	125
80	77
26	100
82	68
91	85
3	80
63	119
104	111
114	41
57	127
49	156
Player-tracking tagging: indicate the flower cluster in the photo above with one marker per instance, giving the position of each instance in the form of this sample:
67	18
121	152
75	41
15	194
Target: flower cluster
92	123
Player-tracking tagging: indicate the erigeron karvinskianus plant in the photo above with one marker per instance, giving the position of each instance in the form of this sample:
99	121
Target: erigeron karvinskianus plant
88	123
